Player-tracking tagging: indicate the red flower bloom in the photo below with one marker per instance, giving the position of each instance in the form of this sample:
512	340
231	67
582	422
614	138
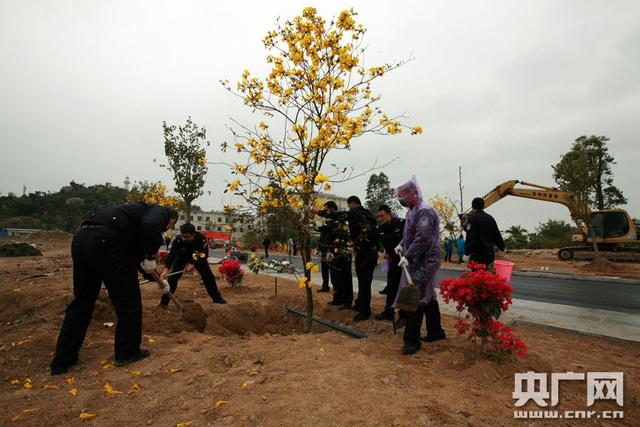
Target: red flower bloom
231	271
485	296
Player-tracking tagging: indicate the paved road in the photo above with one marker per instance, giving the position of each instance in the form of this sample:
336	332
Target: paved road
604	295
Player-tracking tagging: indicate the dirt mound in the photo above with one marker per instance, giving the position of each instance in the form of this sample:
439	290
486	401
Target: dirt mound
194	314
603	265
19	249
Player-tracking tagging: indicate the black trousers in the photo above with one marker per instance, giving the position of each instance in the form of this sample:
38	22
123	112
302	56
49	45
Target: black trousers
202	267
342	280
324	268
101	255
414	323
393	282
266	251
365	261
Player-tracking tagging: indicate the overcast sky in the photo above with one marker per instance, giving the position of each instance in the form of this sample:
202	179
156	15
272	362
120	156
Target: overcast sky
501	88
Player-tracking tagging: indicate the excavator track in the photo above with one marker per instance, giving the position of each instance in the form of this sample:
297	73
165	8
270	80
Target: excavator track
585	253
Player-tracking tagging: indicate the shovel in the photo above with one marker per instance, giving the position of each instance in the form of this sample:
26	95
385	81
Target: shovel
191	313
172	274
409	295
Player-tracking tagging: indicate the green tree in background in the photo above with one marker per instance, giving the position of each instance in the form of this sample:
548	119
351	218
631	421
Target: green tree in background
586	170
518	237
186	151
379	192
552	233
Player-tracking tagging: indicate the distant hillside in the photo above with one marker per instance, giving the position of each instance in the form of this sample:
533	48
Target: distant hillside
63	210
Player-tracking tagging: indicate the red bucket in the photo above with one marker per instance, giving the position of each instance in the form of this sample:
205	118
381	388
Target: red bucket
503	269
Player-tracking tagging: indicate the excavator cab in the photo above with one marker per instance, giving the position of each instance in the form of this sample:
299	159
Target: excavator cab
610	224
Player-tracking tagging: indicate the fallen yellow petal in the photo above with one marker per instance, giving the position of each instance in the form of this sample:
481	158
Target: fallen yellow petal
16	418
221	402
73	392
18	290
27	383
134	387
30	410
133	373
24	341
109	389
184	424
174	370
14	382
151	341
108	365
87	416
49	386
244	386
71	380
322	349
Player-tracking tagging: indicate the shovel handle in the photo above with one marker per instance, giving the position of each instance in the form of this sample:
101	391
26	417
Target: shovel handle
409	279
172	297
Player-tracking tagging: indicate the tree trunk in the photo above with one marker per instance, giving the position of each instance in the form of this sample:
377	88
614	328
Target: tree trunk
592	234
305	252
187	211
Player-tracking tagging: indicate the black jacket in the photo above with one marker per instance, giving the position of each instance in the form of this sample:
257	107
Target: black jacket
188	252
390	234
482	236
334	239
325	240
141	225
362	227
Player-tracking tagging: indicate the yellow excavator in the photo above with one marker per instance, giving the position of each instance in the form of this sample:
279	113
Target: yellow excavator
616	233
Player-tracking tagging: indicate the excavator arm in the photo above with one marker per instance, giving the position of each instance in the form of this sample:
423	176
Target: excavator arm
577	207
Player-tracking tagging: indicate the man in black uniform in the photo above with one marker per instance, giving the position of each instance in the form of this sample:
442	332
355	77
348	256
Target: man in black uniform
324	245
482	235
338	257
266	244
390	234
364	238
110	247
190	247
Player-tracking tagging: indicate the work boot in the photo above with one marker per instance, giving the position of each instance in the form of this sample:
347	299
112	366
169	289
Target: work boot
385	315
345	307
133	358
333	302
324	290
410	349
401	322
432	338
383	291
59	369
163	306
219	300
361	316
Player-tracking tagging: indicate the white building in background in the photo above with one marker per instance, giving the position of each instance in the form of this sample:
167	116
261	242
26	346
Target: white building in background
218	221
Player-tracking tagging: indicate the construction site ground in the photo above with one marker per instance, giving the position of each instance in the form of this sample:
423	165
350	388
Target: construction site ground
254	366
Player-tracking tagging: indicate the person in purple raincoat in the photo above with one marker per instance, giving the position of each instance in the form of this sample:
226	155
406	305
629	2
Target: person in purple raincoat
420	254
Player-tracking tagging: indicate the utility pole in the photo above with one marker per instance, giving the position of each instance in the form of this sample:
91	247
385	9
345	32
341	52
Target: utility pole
460	187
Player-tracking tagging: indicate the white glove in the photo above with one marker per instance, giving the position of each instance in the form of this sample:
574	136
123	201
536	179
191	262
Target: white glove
148	265
403	262
398	250
466	259
166	288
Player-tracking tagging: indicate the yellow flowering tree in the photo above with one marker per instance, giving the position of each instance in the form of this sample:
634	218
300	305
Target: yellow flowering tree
317	97
153	192
446	211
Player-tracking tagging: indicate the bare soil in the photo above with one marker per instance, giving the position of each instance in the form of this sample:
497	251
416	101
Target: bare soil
252	365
